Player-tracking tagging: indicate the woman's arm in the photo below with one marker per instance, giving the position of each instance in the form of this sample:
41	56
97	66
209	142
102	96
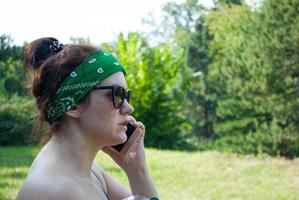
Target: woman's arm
140	180
134	165
141	183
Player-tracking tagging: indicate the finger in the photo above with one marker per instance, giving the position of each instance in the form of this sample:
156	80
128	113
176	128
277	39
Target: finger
138	130
141	134
140	125
137	123
131	119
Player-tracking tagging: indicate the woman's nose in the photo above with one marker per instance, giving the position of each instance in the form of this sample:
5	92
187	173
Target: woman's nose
126	108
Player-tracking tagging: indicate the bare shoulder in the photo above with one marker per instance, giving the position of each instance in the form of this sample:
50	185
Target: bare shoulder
99	172
97	169
114	188
59	187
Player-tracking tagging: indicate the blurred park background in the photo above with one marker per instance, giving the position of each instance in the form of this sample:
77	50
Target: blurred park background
217	88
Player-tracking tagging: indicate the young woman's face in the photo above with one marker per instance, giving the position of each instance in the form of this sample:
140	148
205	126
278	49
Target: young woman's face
101	120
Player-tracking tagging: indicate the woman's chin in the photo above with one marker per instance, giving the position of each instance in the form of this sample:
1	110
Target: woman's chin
122	137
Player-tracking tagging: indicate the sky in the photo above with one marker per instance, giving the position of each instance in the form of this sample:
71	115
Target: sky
99	20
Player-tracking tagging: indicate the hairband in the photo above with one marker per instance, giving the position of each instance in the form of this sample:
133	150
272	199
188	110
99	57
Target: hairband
97	67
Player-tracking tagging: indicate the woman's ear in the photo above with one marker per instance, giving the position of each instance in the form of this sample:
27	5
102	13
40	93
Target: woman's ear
73	112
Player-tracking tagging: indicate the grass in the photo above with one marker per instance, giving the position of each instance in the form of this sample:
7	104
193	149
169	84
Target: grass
183	175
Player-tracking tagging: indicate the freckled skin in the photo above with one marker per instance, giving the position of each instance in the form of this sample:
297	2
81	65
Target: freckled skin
100	119
62	168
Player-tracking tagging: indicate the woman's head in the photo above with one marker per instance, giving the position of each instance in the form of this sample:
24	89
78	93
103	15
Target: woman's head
101	115
55	66
51	67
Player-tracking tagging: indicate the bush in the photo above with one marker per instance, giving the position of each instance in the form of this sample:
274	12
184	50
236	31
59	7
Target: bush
268	139
13	85
16	116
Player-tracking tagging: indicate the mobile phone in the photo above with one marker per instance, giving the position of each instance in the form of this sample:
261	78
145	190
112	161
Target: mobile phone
132	136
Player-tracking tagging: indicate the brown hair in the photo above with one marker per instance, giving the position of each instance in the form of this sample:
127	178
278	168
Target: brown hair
50	67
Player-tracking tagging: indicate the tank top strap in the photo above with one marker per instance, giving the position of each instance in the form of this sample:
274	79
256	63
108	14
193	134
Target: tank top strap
102	187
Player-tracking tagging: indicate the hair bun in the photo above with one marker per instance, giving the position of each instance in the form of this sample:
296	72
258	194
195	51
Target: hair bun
39	50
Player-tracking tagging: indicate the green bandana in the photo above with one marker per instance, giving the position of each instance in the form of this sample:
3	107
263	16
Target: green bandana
80	82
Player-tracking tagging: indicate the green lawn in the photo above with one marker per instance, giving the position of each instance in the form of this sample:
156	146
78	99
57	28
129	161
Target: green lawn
183	175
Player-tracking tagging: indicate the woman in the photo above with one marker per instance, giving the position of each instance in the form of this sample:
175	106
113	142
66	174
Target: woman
81	92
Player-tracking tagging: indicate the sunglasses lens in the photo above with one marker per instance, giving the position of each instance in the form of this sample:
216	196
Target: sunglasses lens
119	95
128	95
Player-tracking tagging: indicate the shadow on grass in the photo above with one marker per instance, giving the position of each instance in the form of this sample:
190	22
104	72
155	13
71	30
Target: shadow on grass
14	175
14	163
18	156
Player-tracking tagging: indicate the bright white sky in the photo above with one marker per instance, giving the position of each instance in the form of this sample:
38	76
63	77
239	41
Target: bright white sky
101	21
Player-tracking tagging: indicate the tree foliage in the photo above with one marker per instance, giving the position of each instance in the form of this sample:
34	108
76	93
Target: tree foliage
191	33
247	62
225	78
156	81
255	59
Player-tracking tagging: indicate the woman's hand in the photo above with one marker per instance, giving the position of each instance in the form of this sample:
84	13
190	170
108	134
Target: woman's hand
133	163
134	160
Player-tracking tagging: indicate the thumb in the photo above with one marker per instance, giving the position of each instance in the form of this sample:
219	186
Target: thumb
112	153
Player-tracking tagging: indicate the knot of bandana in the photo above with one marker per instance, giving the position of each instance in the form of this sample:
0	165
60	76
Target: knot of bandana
80	82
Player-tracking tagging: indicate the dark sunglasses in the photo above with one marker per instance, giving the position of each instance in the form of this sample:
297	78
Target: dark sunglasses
119	94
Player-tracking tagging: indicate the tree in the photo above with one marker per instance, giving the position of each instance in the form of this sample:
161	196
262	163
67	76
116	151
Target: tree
8	50
191	33
80	40
11	69
154	75
254	51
